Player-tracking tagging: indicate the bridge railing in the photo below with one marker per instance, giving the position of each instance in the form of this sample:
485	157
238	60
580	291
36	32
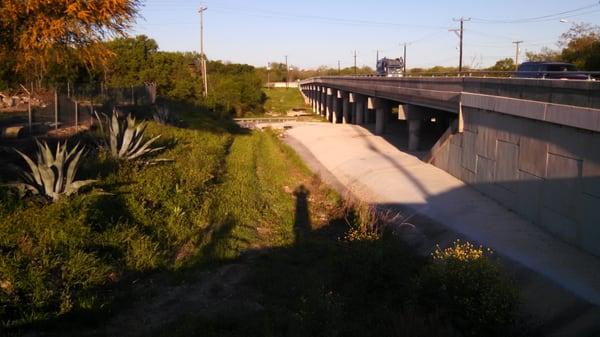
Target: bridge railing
553	75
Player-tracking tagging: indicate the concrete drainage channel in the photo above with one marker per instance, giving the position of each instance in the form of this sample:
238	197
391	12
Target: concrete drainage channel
560	284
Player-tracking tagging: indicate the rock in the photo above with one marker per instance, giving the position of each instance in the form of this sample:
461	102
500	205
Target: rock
9	101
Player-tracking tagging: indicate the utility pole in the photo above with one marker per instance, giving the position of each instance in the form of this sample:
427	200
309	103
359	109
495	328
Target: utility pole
202	56
404	62
517	43
339	68
460	33
287	73
355	69
377	61
268	73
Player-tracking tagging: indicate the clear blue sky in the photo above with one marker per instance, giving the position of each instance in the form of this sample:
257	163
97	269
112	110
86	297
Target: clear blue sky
319	32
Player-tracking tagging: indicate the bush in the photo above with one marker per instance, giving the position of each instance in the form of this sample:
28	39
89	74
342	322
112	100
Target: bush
463	282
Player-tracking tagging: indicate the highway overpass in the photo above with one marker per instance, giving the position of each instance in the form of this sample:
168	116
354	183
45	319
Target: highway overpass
532	145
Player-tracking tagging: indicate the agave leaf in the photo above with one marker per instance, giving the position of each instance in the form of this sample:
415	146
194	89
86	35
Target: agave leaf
126	142
140	139
47	155
100	122
34	168
59	164
114	134
72	152
130	121
48	179
72	169
77	185
144	149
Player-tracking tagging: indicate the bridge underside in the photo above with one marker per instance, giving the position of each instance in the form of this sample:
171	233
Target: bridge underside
533	147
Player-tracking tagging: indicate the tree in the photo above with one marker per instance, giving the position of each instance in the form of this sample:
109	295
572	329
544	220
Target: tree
578	30
544	55
134	57
37	33
507	64
581	46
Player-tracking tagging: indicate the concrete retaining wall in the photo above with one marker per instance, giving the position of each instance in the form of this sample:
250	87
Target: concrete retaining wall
546	172
282	85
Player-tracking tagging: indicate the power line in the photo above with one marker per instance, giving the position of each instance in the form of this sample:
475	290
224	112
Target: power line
249	11
537	18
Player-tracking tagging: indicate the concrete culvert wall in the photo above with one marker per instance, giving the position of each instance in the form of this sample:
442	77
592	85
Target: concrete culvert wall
545	172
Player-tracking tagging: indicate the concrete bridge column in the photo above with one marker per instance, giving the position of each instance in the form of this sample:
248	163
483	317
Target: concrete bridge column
352	98
329	106
346	107
383	110
306	94
360	105
414	116
370	111
323	101
314	99
337	107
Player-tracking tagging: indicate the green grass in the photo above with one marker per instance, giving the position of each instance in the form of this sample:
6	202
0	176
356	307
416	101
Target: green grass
203	207
280	100
230	197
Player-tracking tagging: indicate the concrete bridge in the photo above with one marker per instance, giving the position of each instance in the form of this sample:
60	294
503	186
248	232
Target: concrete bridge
532	145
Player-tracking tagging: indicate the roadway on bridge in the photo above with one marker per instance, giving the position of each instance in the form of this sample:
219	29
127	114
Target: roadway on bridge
353	159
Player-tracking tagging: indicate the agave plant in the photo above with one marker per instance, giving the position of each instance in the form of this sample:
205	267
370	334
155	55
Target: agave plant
126	139
163	115
52	175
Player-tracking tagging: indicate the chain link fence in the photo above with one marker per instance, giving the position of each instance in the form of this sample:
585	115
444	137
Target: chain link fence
34	112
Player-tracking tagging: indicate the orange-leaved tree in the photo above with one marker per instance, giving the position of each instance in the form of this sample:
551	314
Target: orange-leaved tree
37	33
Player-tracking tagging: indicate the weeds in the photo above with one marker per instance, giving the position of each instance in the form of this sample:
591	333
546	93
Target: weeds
231	196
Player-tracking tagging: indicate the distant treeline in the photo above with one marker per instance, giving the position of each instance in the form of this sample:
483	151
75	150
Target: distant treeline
234	88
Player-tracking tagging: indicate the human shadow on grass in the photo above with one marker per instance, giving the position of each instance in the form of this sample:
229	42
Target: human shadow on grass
328	282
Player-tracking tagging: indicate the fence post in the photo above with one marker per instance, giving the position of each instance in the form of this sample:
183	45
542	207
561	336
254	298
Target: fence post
76	117
55	109
91	112
29	117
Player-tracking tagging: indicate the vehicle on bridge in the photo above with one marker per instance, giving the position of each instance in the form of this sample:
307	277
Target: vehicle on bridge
550	70
390	67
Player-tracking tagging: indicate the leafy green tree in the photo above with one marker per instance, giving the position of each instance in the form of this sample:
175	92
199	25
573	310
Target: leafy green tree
507	64
544	55
582	46
133	59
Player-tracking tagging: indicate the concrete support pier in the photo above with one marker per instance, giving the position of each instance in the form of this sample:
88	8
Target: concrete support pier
414	117
370	111
329	106
322	100
337	107
346	107
383	109
360	103
316	101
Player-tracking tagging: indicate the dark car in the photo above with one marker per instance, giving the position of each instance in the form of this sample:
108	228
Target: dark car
550	70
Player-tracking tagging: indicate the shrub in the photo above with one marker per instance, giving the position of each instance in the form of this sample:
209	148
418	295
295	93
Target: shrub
466	284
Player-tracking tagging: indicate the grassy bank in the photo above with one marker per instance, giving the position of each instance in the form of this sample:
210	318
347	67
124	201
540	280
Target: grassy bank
234	237
280	100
